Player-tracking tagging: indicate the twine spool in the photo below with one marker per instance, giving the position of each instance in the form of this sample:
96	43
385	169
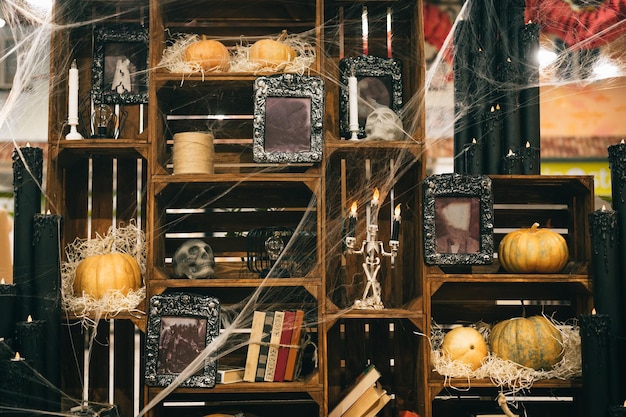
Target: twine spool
193	153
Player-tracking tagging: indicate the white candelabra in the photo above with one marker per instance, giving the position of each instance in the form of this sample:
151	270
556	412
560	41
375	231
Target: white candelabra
372	250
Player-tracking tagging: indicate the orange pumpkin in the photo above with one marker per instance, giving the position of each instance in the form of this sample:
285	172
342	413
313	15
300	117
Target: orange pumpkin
272	53
533	250
532	342
98	274
465	345
209	54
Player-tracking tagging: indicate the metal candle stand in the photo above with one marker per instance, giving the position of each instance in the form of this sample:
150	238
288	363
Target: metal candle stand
372	250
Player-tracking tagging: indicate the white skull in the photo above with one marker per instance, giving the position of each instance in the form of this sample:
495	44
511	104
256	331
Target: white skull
194	259
383	124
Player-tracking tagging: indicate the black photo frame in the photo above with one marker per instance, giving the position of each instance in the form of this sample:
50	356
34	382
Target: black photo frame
288	119
180	326
379	82
120	56
458	219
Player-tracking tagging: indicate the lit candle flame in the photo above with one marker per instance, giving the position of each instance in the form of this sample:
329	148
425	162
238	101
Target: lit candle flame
593	311
375	197
527	144
353	209
510	153
474	140
396	212
2	281
29	319
17	356
603	208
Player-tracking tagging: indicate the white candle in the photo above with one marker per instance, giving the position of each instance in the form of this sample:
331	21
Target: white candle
72	103
353	106
73	94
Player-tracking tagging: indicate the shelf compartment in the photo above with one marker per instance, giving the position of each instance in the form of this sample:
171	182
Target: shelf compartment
394	172
392	345
223	213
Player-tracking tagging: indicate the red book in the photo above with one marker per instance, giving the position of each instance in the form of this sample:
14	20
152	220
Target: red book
283	349
294	352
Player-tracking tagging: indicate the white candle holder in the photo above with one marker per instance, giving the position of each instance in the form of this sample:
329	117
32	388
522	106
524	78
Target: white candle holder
372	250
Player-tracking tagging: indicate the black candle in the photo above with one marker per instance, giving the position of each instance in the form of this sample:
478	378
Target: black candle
7	309
509	85
617	165
16	381
595	337
531	160
473	158
529	95
462	98
492	147
31	342
605	255
395	224
512	163
47	303
27	177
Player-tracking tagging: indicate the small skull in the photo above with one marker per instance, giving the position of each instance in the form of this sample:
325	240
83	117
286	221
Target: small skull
383	124
194	259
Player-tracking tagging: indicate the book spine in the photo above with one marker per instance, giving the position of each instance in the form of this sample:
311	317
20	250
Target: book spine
254	346
264	349
283	349
290	368
272	354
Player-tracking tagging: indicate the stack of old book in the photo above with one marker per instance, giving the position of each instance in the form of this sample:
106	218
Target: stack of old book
274	346
364	398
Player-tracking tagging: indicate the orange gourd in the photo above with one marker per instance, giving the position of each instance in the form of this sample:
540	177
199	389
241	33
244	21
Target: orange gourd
98	274
533	342
209	54
533	250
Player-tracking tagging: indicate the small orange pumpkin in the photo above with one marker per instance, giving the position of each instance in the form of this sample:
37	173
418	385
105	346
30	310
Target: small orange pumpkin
465	345
98	274
533	250
272	53
209	54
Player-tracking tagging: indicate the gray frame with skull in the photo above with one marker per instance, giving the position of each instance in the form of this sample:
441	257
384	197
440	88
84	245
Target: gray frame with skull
179	327
194	259
288	124
385	72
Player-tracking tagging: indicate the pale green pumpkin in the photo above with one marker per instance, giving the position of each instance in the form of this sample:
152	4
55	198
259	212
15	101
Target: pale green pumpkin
532	342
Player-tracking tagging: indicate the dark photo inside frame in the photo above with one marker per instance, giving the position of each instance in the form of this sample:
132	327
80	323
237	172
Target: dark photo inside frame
181	341
374	92
457	224
122	63
287	124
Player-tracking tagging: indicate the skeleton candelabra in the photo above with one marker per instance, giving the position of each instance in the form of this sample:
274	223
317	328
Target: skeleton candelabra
372	250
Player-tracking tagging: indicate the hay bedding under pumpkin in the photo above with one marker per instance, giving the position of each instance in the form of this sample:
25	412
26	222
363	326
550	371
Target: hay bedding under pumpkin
130	240
505	373
173	56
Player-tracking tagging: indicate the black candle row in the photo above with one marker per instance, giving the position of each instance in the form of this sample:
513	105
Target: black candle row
36	288
496	91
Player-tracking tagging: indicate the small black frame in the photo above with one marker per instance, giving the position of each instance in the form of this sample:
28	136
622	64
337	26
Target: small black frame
378	79
180	326
458	219
288	119
121	55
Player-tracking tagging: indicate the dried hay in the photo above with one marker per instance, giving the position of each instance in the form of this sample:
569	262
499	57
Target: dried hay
173	56
130	240
504	373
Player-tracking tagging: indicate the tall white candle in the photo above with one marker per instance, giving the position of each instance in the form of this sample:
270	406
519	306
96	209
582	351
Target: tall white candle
72	102
353	104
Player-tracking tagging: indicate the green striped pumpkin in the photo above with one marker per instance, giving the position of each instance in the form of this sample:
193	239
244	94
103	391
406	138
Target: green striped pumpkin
533	342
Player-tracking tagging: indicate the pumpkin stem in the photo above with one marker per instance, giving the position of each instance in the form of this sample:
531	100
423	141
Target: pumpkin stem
504	406
109	247
534	227
282	36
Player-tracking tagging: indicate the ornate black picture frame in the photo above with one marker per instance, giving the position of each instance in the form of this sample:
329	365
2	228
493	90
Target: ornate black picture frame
180	326
288	119
120	64
379	82
458	219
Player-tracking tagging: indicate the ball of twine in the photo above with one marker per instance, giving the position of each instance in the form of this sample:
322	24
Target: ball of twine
193	153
